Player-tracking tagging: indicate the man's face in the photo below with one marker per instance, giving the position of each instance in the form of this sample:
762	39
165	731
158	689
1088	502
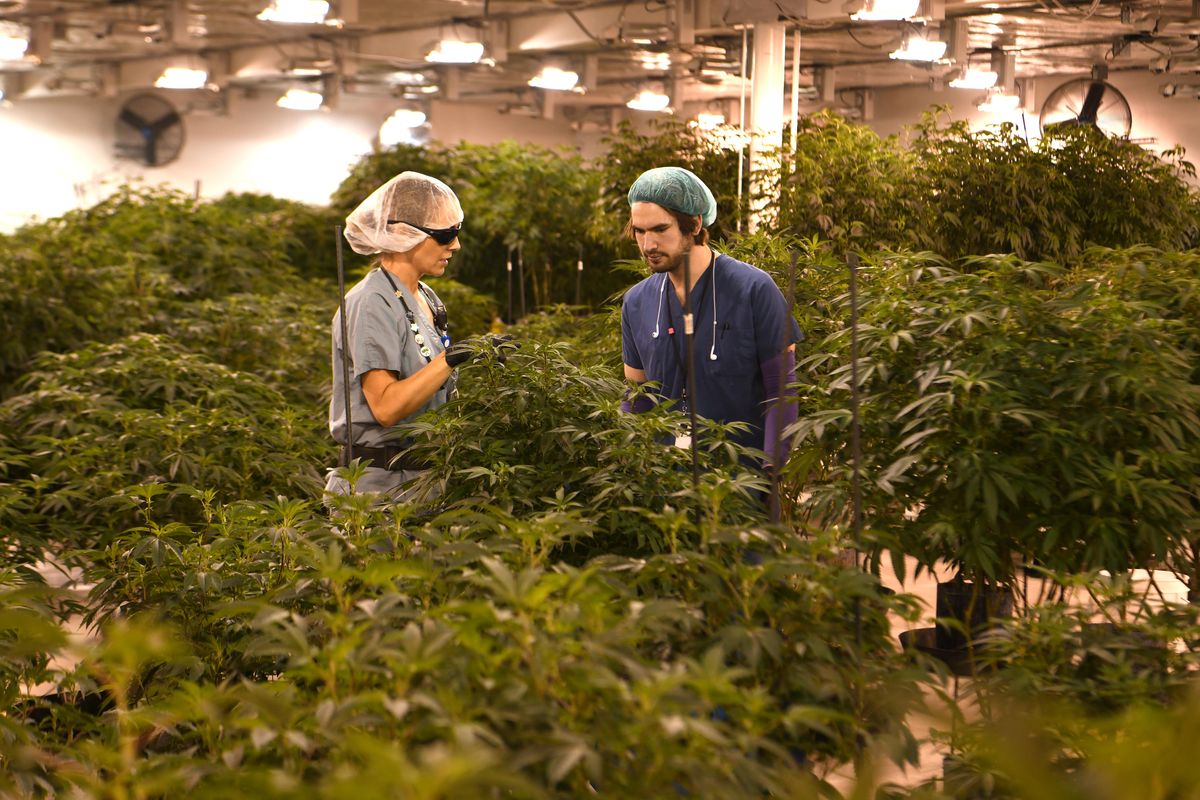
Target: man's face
662	244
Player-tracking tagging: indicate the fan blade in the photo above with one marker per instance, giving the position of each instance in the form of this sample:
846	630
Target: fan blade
151	154
164	122
1091	103
132	119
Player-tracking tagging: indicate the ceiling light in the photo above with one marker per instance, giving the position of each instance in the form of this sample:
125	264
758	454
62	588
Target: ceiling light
301	100
997	102
182	78
306	72
918	48
975	79
13	46
556	79
647	100
656	61
305	12
706	121
407	78
874	10
454	51
399	126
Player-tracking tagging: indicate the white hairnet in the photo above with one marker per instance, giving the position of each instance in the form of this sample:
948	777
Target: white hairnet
411	198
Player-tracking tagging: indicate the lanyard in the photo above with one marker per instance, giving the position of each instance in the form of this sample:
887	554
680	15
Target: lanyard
677	345
439	316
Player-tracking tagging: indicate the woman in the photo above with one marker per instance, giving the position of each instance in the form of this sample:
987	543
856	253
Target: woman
396	328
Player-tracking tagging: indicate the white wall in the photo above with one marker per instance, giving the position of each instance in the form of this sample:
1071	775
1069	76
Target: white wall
58	152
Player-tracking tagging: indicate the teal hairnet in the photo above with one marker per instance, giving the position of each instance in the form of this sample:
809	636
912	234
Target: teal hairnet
675	188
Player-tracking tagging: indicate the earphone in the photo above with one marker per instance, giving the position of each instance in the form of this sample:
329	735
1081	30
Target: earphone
662	288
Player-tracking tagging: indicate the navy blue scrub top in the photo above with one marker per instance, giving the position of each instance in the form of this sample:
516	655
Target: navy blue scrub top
753	326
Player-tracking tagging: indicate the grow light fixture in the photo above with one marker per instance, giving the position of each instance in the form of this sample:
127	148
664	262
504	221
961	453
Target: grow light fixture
999	102
918	48
555	79
182	78
399	126
295	12
885	10
649	100
301	100
455	51
12	47
407	78
654	61
975	79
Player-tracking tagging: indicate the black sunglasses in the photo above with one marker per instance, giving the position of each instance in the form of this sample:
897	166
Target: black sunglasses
439	235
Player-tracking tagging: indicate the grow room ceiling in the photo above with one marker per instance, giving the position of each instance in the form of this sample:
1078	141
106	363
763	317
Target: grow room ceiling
691	50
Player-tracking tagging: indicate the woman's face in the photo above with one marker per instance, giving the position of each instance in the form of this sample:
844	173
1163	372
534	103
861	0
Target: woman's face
431	258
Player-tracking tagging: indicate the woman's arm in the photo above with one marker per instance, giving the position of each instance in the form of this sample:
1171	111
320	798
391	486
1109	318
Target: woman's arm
392	398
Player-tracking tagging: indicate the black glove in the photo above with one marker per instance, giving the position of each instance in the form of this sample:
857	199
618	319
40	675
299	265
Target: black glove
475	349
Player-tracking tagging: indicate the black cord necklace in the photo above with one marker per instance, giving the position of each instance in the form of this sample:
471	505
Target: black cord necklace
439	316
678	348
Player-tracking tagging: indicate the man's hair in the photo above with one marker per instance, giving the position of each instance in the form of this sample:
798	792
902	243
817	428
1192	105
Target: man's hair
689	225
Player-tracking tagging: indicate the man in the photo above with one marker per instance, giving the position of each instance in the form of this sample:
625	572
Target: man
744	342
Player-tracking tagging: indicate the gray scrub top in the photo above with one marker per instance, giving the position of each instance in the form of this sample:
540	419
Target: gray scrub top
380	339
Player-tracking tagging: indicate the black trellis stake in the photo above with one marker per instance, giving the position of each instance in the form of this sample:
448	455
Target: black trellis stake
690	377
579	278
521	276
508	268
855	437
341	275
776	502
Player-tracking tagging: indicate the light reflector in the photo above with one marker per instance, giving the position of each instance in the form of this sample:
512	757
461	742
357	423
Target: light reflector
876	10
555	79
12	48
975	79
301	100
399	126
296	12
454	51
648	100
916	48
182	78
999	103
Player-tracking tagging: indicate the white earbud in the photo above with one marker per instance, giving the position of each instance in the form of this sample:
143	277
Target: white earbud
658	316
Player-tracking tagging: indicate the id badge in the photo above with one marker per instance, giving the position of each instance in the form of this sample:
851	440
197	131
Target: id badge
683	437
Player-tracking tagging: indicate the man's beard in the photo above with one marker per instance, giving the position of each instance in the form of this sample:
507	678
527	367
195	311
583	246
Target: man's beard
669	264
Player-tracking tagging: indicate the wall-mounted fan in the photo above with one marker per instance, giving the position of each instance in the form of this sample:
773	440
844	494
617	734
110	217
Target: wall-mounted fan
1087	101
149	130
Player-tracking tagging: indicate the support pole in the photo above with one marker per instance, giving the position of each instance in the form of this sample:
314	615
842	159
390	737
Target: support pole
795	87
766	121
741	131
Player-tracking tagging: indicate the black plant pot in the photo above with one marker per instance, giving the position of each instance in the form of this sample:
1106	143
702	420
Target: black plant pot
975	609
